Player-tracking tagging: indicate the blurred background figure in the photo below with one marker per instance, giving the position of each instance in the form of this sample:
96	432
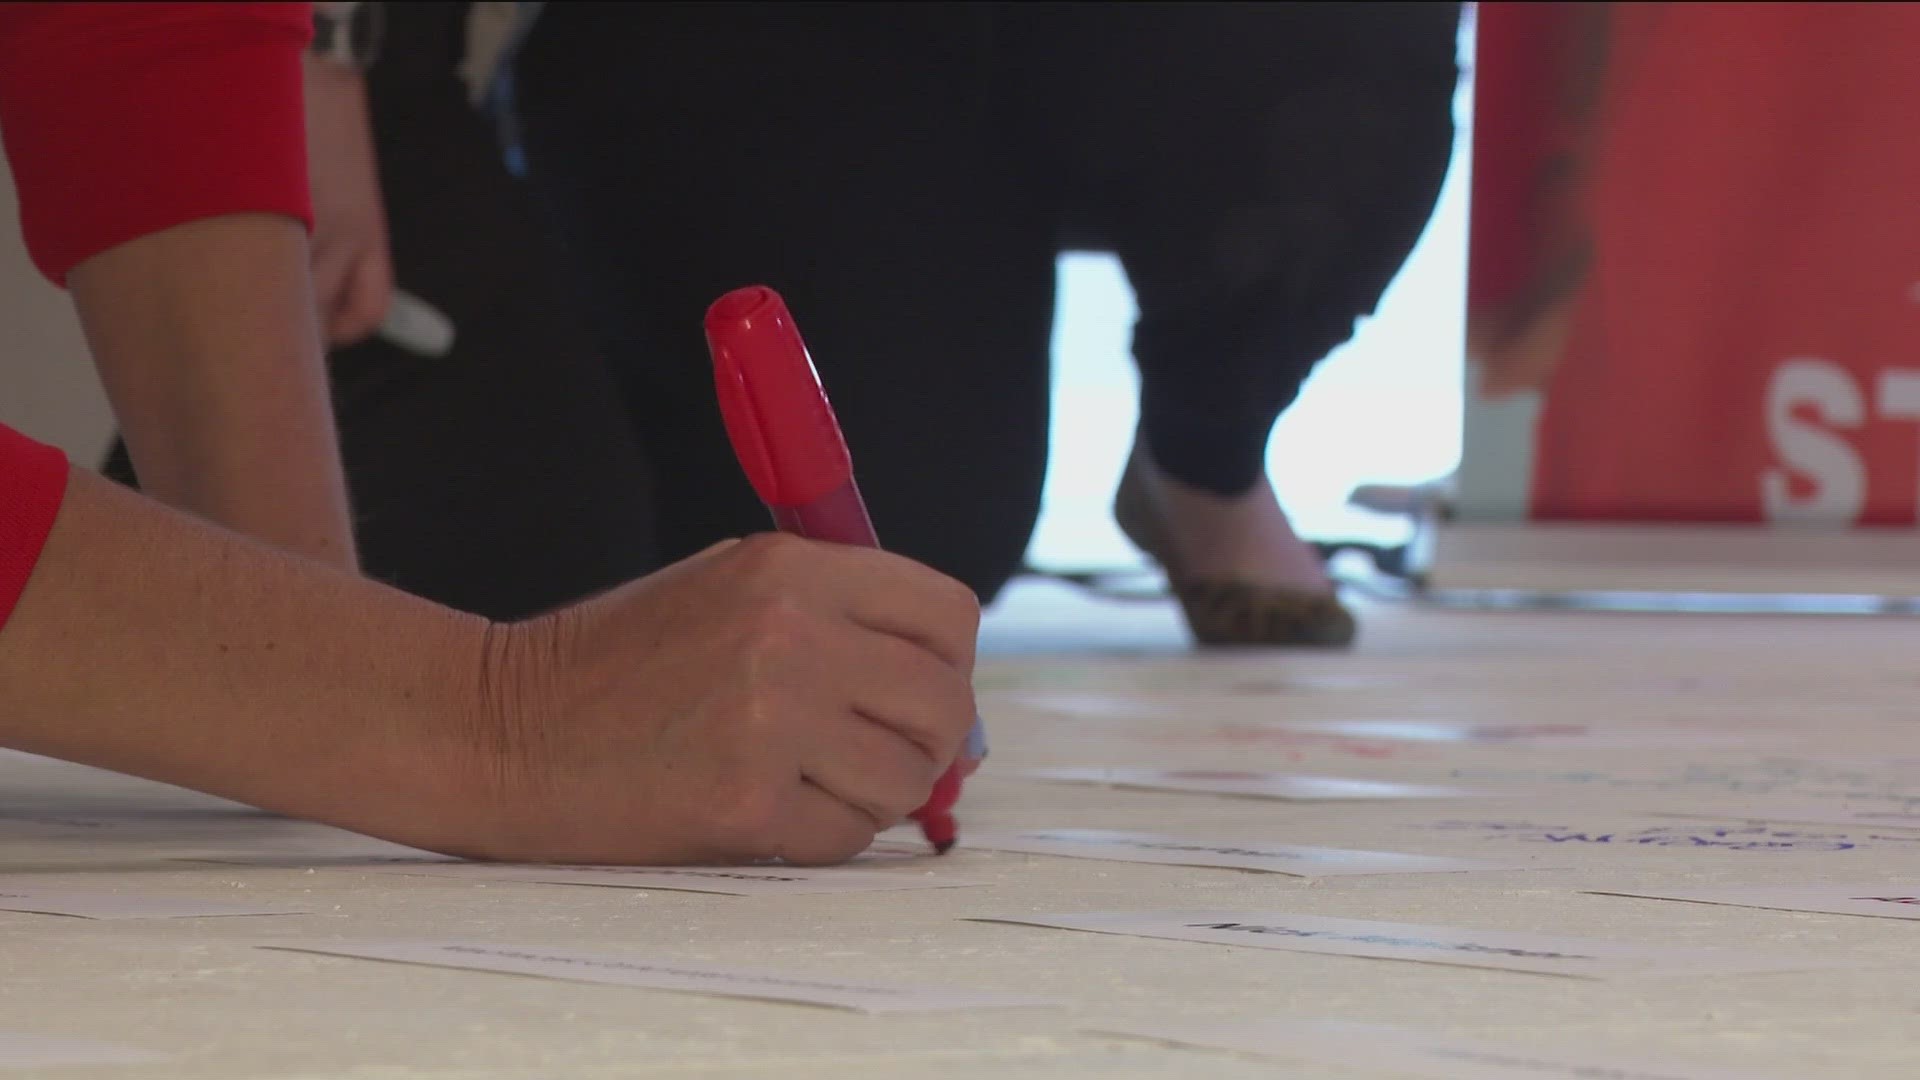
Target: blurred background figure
907	175
494	473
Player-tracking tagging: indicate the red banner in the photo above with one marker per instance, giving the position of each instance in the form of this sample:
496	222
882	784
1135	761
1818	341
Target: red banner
1696	228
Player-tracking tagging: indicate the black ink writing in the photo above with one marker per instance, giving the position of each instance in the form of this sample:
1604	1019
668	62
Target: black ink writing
1728	838
727	875
1384	939
741	978
1581	1072
1168	845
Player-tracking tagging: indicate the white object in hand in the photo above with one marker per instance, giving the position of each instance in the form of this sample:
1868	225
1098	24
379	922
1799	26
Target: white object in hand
417	326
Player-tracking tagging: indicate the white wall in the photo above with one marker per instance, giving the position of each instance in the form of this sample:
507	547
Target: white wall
47	384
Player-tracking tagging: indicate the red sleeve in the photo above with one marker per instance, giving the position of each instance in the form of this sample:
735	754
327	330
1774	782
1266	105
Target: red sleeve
33	480
126	119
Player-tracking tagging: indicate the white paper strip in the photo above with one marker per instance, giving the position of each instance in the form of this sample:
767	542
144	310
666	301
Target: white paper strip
729	880
1876	901
1855	817
379	863
102	904
613	969
1293	859
1546	954
1413	1052
19	1050
1496	734
307	851
1264	785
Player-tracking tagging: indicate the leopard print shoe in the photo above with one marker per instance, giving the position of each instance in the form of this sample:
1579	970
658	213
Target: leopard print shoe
1234	613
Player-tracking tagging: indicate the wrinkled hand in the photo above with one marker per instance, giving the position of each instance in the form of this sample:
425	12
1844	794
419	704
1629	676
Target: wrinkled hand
352	268
769	697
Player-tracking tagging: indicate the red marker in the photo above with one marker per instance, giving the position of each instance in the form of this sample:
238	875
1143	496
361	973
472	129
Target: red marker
787	439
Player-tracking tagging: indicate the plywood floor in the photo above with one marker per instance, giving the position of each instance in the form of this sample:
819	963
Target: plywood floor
1822	709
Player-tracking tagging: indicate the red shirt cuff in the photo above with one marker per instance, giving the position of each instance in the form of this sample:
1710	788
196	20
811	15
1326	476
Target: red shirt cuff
33	481
125	119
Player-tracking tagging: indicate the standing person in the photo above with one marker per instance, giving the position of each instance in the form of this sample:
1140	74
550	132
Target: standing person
190	278
906	174
770	697
498	475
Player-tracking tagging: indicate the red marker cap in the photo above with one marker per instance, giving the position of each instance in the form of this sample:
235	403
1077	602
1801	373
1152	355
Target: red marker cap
782	427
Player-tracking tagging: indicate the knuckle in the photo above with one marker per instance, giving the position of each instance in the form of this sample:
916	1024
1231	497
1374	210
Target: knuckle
767	554
777	627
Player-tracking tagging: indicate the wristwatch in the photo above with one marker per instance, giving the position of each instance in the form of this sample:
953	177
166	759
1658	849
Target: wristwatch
347	34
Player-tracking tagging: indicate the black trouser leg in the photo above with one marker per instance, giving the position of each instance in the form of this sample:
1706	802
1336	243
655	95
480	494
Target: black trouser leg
847	156
1262	171
503	478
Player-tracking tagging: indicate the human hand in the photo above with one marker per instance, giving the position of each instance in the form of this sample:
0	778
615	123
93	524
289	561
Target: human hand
352	267
769	697
1517	346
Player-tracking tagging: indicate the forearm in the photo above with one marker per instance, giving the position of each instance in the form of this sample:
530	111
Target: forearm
153	644
207	345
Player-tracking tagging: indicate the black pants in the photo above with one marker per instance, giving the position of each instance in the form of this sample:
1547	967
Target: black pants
907	173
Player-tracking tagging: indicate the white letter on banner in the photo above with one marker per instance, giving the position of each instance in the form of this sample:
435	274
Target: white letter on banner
1839	477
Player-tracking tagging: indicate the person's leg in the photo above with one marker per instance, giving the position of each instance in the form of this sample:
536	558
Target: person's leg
1262	171
500	478
840	154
